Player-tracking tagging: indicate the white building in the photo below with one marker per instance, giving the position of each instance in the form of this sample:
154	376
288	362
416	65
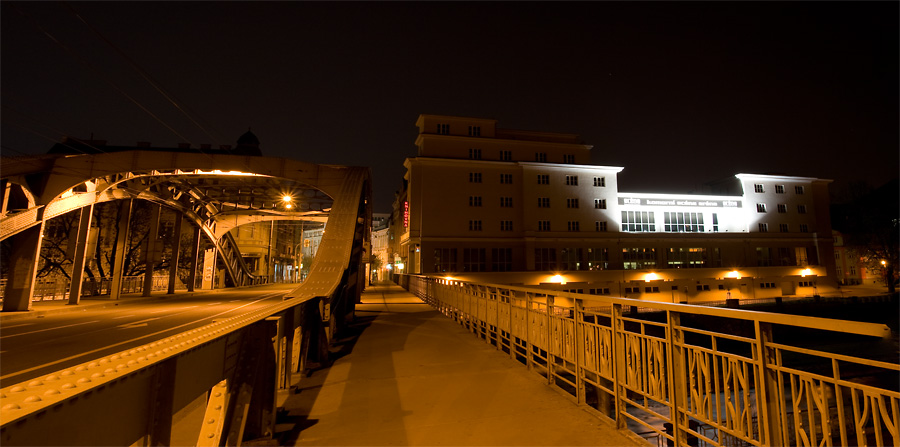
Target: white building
525	207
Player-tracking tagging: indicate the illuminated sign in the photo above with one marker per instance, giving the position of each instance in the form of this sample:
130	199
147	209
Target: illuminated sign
405	214
703	203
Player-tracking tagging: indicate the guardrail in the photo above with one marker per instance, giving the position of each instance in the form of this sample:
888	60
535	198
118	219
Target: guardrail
58	289
690	375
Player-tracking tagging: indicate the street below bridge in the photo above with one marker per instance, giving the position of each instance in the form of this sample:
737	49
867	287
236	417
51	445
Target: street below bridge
55	336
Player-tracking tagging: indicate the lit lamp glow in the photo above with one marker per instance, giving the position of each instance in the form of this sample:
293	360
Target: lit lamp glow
650	277
557	278
806	272
733	274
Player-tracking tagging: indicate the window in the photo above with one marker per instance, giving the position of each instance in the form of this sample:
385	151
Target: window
632	290
505	155
637	221
543	179
782	208
545	259
598	258
571	203
783	228
474	225
543	225
715	223
702	287
807	284
540	157
804	228
760	207
801	209
600	291
763	228
572	180
600	225
599	181
506	179
779	189
475	154
443	129
568	158
573	225
474	200
474	177
474	259
506	225
798	189
600	204
649	289
677	222
767	285
474	131
685	258
571	259
638	258
543	202
506	202
501	259
444	260
758	188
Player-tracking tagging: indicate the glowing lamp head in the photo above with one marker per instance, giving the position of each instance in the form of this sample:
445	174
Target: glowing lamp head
557	278
288	206
733	274
650	277
286	198
806	272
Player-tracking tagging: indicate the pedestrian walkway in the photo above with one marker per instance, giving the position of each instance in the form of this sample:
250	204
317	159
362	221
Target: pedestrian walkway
410	376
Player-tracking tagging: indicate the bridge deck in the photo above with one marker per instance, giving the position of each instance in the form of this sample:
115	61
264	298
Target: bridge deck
407	375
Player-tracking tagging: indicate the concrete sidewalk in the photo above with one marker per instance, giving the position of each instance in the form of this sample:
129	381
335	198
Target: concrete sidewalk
411	376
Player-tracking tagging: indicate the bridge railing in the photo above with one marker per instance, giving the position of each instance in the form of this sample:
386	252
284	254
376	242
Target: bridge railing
692	375
58	288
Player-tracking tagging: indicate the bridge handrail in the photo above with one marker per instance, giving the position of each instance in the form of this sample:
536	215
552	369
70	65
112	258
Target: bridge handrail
678	375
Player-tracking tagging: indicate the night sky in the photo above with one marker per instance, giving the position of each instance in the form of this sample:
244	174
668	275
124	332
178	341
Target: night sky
677	93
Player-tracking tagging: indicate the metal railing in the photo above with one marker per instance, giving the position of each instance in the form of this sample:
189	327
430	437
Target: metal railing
689	375
58	288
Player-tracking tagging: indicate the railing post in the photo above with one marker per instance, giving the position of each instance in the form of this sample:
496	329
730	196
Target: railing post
618	345
528	345
123	226
79	261
771	431
578	321
548	310
675	376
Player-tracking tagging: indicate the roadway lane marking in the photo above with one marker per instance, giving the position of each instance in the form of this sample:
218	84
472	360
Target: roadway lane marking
48	329
33	368
213	304
134	324
119	318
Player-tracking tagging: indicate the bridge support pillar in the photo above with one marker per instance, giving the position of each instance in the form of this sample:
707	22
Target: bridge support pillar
150	252
176	252
121	248
80	257
24	260
195	256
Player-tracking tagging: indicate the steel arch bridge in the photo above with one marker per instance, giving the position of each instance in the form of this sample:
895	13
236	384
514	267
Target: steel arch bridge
213	193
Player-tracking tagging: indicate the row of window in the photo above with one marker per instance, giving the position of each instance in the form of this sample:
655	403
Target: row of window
542	202
783	228
543	225
634	258
779	189
542	179
782	208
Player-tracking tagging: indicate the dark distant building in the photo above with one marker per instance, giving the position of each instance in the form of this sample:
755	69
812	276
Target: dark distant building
247	144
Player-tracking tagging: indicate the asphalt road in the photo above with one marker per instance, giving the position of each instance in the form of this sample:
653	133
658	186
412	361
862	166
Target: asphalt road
35	346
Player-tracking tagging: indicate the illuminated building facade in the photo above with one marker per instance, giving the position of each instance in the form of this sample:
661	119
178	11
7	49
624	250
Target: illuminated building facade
520	207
